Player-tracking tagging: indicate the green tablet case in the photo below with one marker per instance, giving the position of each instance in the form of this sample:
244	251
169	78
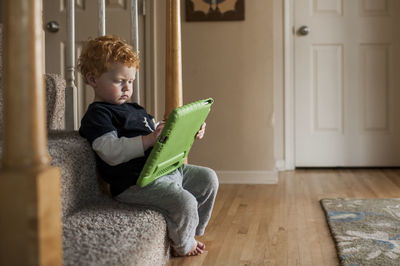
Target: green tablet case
175	141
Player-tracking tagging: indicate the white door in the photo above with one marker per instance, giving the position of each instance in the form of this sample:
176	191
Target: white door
118	22
347	83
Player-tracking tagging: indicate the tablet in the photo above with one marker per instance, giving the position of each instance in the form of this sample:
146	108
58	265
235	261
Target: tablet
174	143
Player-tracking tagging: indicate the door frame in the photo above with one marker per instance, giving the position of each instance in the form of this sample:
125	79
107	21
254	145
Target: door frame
288	102
288	76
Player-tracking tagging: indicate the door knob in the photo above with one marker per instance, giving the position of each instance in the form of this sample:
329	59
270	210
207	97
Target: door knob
304	30
53	26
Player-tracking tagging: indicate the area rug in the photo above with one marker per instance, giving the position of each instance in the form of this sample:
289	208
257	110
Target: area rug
366	231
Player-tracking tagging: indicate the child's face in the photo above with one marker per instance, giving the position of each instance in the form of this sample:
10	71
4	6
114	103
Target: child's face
114	86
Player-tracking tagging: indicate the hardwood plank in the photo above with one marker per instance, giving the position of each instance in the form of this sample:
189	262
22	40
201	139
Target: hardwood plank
284	224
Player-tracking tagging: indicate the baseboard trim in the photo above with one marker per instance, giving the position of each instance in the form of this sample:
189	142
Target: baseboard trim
280	165
247	177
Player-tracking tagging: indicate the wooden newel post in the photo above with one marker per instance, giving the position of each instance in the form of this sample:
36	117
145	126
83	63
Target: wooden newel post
173	67
30	216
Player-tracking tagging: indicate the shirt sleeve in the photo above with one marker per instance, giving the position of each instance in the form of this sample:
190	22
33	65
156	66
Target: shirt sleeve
114	150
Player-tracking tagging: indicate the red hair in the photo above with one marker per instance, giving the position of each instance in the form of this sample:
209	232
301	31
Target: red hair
98	54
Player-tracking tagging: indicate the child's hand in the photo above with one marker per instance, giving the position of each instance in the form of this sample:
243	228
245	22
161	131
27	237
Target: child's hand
201	132
150	139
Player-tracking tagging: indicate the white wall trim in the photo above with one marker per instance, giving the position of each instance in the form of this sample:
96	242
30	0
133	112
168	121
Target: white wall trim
289	103
278	80
248	177
280	165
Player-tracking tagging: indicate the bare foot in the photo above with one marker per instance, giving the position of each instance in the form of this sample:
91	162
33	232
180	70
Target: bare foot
197	249
200	247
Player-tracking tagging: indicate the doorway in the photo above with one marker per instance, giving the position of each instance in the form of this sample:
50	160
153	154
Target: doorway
342	83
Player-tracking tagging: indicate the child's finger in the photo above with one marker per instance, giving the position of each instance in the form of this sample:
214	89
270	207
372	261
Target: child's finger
200	134
161	124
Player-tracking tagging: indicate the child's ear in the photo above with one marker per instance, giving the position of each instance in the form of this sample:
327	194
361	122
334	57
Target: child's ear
91	79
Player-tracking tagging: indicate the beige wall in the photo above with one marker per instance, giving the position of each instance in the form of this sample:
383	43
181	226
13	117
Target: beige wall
231	62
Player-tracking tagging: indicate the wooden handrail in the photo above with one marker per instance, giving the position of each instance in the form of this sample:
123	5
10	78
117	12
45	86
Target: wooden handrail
30	207
173	67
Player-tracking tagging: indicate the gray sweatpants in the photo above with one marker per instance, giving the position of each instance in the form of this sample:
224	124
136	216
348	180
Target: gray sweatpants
186	199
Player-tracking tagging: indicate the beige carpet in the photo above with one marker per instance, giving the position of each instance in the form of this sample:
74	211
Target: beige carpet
366	231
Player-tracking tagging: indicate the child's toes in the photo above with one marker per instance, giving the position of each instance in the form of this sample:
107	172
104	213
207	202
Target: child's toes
199	251
201	245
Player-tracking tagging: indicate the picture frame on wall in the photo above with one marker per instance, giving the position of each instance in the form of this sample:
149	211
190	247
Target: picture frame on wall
214	10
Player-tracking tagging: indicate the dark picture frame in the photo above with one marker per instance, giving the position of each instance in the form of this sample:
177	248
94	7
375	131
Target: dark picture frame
214	10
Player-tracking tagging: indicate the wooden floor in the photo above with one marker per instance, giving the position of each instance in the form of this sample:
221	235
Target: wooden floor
284	224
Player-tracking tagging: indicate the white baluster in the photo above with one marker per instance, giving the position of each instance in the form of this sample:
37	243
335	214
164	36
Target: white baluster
71	94
135	43
102	18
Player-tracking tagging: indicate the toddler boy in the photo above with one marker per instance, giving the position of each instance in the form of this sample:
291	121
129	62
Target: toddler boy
122	134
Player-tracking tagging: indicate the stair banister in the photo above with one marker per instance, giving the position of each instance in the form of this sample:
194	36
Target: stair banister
30	207
173	68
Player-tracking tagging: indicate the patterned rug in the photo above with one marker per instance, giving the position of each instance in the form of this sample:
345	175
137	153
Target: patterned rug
366	231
